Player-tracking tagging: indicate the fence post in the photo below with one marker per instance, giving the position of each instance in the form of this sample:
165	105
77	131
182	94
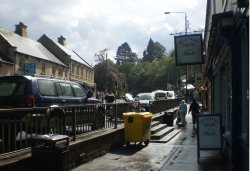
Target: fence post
115	114
74	124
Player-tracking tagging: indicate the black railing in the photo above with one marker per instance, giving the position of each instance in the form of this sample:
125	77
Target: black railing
158	106
18	126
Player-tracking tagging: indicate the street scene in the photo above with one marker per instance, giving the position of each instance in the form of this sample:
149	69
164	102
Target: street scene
124	85
178	153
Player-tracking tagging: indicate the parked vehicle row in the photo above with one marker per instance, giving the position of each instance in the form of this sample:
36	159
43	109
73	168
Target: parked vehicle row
146	99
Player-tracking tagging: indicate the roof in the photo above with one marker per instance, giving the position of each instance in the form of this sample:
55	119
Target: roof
27	46
74	56
4	59
61	51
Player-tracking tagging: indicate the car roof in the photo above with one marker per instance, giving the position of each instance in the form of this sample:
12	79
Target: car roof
144	94
36	77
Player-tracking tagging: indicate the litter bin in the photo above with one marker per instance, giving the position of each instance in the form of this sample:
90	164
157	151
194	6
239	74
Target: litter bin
50	152
169	118
137	127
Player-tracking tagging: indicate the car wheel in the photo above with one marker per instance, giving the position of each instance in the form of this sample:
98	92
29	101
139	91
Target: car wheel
56	123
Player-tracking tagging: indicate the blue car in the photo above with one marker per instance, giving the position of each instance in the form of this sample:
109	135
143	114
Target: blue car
28	91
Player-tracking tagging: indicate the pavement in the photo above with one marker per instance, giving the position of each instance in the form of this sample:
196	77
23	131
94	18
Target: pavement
177	154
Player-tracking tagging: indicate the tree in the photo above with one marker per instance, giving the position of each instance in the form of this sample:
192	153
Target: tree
154	51
106	75
101	56
148	76
125	54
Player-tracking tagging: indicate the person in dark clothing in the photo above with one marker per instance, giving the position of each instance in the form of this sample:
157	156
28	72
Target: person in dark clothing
194	109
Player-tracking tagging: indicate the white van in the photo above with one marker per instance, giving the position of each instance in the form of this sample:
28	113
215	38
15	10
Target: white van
170	94
159	95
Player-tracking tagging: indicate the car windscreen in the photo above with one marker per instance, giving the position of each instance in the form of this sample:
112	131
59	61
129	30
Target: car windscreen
12	87
145	97
170	94
160	95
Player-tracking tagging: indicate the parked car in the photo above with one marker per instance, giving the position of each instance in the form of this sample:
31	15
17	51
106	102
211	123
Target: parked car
28	91
170	95
159	95
145	100
128	97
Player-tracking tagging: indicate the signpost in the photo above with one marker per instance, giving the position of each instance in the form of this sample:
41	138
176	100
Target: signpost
208	133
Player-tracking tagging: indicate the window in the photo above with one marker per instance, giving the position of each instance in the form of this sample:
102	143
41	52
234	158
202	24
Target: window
43	67
53	71
7	88
60	73
72	69
77	70
66	89
79	92
47	88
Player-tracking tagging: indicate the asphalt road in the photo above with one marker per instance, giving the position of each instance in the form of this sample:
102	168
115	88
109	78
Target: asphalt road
179	154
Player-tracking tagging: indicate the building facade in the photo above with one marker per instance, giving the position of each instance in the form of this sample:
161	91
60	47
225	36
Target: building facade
20	55
226	75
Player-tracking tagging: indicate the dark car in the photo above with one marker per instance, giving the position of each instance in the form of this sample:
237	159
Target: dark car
145	100
28	91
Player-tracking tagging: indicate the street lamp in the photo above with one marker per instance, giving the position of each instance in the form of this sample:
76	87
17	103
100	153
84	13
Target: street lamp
186	27
186	22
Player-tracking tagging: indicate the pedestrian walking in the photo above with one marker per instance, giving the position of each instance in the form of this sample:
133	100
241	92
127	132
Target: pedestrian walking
183	111
194	108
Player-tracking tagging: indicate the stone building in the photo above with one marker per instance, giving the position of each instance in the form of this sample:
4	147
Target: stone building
80	70
20	55
226	71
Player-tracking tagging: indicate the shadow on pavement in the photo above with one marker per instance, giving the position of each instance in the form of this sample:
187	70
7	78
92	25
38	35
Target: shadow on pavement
128	150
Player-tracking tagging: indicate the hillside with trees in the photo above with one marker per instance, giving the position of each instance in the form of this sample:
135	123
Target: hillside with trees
156	70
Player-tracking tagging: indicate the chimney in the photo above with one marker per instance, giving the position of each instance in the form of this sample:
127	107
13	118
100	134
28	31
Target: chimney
62	41
21	29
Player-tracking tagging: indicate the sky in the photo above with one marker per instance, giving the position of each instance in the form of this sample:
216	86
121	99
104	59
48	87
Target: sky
93	25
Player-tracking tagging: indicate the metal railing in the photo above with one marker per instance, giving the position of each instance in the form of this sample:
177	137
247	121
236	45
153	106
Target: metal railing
158	106
18	126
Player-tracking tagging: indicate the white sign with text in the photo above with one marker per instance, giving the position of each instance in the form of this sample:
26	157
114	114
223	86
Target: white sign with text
209	131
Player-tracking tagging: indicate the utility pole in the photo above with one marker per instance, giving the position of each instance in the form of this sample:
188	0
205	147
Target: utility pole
186	27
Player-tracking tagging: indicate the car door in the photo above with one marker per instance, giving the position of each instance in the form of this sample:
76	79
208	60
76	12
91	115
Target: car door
68	96
47	93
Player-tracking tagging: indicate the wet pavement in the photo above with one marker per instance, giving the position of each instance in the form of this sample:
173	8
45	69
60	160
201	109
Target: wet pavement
178	154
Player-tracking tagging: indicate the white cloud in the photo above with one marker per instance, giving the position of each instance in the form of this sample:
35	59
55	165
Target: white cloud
90	26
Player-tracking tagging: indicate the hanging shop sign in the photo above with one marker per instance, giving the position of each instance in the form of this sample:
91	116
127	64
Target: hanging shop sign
189	49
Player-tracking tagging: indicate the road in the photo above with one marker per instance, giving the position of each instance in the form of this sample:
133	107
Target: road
180	153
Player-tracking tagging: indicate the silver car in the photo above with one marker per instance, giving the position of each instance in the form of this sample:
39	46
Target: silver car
145	99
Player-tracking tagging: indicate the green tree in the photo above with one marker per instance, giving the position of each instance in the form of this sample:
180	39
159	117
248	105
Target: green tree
154	51
101	56
125	54
106	74
148	76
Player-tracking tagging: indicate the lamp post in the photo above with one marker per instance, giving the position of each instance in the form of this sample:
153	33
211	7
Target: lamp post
186	27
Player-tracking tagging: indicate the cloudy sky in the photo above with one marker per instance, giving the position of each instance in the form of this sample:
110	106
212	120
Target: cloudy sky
93	25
